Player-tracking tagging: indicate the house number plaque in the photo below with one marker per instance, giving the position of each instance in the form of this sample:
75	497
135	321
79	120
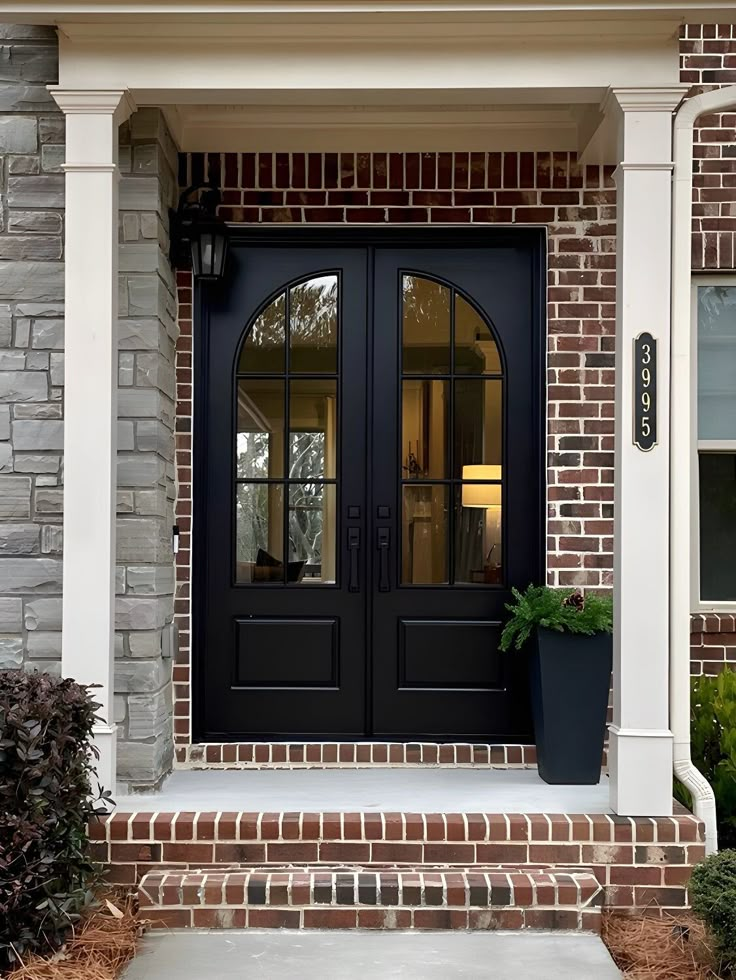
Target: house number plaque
645	392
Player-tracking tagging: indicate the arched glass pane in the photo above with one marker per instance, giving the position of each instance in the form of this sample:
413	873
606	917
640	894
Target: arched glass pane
475	349
264	350
313	326
425	326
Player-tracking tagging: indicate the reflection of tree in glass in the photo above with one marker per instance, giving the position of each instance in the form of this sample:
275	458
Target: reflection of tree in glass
425	301
252	520
305	503
313	313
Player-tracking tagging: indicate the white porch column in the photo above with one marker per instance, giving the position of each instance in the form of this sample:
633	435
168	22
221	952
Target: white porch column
640	748
90	399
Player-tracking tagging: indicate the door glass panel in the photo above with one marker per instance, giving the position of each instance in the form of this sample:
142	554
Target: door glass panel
425	326
717	362
312	428
259	509
424	425
313	326
475	349
478	423
478	529
265	346
260	436
424	535
312	532
717	526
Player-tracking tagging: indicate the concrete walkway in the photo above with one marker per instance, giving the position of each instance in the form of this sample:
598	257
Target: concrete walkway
287	955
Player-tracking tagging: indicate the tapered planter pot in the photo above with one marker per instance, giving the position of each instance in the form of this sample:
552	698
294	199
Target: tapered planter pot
570	675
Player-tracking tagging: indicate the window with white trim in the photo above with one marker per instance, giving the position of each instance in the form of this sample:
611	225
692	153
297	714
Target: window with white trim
714	557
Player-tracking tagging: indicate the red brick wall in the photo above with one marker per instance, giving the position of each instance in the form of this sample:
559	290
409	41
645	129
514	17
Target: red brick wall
708	60
578	207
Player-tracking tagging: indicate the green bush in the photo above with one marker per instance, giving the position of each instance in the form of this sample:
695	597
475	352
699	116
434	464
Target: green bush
565	610
713	897
713	745
46	874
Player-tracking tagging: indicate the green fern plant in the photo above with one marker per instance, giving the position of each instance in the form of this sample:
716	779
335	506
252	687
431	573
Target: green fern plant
564	610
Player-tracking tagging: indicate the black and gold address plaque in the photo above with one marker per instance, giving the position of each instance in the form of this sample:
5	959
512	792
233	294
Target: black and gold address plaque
645	392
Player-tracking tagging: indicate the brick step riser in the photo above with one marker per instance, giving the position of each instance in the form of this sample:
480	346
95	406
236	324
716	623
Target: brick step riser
422	898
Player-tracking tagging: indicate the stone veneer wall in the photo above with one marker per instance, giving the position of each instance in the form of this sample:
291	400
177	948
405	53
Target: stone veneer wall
31	398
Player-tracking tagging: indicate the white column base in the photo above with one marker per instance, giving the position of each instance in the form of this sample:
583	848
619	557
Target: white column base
105	740
640	767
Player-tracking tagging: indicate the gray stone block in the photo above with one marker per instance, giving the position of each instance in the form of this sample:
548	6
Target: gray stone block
6	458
43	645
36	360
152	503
14	360
139	194
47	410
30	463
143	644
18	134
52	667
24	165
29	62
46	480
47	334
52	158
44	222
32	248
56	369
124	502
141	676
49	501
153	436
150	579
31	281
39	434
140	470
145	403
138	613
11	615
11	652
149	715
22	333
52	539
21	97
4	421
144	762
143	539
23	386
15	496
6	331
52	129
126	369
36	310
130	226
19	539
45	191
138	334
150	226
43	614
19	575
126	438
119	709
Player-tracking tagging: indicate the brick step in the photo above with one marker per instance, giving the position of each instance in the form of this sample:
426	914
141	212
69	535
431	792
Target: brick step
326	755
417	898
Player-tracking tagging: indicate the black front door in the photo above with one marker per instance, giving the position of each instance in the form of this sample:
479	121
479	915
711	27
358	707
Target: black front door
367	486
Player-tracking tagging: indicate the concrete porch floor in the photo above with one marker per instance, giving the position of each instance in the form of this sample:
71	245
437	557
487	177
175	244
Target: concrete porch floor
434	790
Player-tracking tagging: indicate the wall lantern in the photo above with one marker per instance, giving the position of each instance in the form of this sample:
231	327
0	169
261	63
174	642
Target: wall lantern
199	238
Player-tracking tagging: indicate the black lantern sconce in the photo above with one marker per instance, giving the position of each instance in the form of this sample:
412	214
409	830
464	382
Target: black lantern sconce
199	238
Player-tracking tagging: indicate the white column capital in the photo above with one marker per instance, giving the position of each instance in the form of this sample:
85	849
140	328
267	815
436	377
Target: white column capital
118	103
656	99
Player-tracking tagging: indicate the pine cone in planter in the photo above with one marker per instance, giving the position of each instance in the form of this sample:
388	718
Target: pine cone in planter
577	599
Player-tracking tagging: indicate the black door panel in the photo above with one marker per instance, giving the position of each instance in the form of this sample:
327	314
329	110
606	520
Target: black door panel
367	485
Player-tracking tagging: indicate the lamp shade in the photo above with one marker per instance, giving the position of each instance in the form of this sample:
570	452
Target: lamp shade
481	494
209	241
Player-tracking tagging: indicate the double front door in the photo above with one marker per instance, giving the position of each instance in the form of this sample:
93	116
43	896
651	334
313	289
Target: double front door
367	487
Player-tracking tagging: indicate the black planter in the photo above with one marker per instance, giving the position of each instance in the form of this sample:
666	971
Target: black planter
570	675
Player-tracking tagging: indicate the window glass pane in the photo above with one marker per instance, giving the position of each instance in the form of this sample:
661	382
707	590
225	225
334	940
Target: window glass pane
260	436
425	326
312	428
717	526
264	347
313	326
475	349
717	362
259	510
478	424
478	532
424	536
312	532
424	411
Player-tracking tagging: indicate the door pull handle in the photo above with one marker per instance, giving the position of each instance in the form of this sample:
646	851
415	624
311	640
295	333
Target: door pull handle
354	549
383	544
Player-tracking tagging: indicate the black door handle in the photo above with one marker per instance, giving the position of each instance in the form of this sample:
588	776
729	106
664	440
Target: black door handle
354	549
383	543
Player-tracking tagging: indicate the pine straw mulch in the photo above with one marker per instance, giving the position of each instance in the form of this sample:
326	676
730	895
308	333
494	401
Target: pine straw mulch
99	948
654	948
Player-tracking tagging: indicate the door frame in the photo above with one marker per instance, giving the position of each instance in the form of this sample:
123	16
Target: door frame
291	236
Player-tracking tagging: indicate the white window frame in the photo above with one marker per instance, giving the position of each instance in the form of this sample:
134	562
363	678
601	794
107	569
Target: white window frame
702	445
